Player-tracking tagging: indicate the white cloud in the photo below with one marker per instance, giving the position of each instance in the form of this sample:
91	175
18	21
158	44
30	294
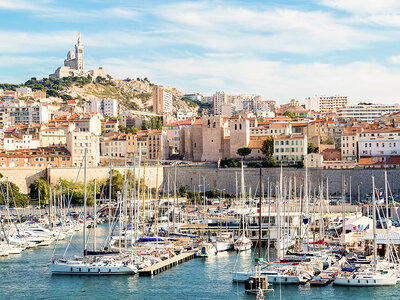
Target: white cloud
395	59
272	79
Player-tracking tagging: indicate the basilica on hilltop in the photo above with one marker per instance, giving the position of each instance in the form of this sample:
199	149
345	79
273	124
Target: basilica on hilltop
74	64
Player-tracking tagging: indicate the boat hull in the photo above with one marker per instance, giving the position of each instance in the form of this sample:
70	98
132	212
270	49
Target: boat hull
64	269
365	281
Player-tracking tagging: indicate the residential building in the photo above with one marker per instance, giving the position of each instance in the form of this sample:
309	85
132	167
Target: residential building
227	109
110	125
379	144
113	146
42	157
149	142
326	104
183	114
162	101
367	113
290	148
78	141
53	137
219	98
313	160
13	141
349	145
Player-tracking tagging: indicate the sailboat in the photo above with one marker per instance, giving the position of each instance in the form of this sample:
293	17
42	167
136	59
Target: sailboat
93	265
375	276
243	243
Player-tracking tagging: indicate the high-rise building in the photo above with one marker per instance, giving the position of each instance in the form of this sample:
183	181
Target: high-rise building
367	113
219	98
162	101
326	104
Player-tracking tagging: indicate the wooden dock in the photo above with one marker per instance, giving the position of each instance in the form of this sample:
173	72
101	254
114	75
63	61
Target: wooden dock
167	264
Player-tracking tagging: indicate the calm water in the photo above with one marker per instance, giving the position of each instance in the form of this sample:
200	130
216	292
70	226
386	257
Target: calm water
28	276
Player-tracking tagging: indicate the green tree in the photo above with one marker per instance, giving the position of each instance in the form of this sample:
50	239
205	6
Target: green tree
269	161
289	114
39	186
244	151
311	148
117	184
183	191
268	146
330	140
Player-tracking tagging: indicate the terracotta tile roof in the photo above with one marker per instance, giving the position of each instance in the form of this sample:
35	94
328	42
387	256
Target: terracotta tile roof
255	144
393	160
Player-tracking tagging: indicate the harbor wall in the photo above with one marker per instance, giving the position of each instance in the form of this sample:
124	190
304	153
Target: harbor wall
23	177
225	178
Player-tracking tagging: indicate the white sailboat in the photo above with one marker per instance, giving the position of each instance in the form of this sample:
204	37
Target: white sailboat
243	243
371	276
93	265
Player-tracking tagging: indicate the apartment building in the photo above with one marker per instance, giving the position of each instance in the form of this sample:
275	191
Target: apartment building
150	142
349	145
367	113
78	141
113	146
53	137
326	104
42	157
162	101
219	98
290	148
379	143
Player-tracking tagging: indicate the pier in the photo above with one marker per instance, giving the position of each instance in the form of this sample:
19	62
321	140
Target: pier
167	264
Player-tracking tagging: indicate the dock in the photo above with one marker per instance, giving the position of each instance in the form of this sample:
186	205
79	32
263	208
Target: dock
167	264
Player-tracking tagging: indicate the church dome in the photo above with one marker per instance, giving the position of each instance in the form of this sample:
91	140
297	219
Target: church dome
70	55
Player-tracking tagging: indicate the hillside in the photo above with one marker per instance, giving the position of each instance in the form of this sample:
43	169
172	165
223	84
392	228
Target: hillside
131	94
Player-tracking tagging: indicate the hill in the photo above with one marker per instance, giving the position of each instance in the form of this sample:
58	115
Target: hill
131	94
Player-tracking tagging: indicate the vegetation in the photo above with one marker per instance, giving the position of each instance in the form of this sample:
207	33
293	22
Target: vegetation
182	192
289	114
144	97
311	148
268	146
153	123
229	163
244	151
125	129
39	186
269	161
16	199
330	140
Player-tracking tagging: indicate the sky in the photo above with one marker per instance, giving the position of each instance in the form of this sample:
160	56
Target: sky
282	49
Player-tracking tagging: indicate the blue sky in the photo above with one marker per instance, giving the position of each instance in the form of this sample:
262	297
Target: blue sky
279	49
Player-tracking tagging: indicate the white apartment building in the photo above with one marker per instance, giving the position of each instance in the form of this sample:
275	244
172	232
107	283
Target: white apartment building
379	143
77	142
227	109
219	98
26	91
107	107
182	115
349	145
367	113
114	146
20	141
110	107
290	148
326	104
21	112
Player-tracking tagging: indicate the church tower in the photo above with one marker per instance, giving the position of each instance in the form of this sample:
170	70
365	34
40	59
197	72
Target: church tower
79	53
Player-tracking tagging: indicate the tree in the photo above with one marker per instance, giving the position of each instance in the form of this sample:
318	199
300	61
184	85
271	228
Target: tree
244	151
183	191
269	161
117	184
330	140
311	148
39	186
268	146
289	114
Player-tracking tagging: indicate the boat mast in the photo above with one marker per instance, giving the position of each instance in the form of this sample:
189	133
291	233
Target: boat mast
84	207
374	219
269	215
143	197
278	215
259	216
156	198
387	219
109	199
94	214
344	209
173	205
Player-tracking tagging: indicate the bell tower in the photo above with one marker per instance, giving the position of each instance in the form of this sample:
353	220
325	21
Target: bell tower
79	53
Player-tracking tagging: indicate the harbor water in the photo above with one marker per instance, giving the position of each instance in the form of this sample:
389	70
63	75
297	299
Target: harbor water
27	276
